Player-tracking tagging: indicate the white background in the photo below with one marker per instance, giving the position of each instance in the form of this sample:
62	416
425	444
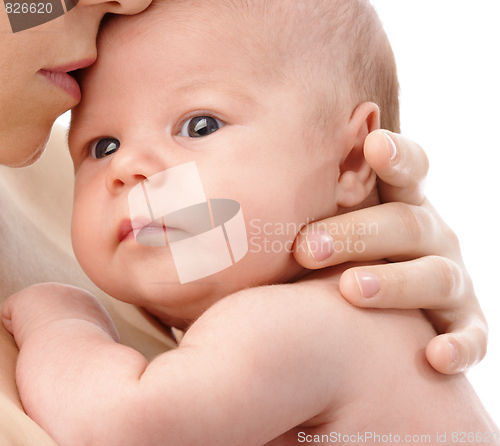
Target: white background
449	70
448	55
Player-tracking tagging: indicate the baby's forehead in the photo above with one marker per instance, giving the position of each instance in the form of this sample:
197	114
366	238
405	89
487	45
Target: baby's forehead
208	33
160	14
314	45
165	46
166	24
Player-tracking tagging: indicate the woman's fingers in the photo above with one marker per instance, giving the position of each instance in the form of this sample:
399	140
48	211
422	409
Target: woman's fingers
395	231
402	230
400	285
127	7
460	348
400	164
446	293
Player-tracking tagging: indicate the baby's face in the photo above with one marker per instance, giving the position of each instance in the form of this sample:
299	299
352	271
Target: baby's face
167	92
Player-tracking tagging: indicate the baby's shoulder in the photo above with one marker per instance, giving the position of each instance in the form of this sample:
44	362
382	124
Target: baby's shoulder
360	364
310	321
306	315
296	316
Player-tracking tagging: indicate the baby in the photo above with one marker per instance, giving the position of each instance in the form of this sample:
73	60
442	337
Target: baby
269	100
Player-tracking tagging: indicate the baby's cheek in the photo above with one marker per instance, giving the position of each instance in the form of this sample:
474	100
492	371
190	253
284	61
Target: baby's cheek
86	232
269	259
81	237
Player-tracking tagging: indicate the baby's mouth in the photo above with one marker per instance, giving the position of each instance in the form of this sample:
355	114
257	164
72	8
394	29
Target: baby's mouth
153	234
125	230
144	231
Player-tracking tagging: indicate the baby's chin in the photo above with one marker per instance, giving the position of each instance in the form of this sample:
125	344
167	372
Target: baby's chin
160	292
175	304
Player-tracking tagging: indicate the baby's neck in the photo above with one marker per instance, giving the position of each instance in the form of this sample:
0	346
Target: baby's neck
169	321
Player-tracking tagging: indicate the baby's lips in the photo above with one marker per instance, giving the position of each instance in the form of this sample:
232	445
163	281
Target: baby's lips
138	223
124	229
133	226
143	231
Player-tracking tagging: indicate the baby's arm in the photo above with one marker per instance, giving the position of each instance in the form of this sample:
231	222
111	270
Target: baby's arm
247	371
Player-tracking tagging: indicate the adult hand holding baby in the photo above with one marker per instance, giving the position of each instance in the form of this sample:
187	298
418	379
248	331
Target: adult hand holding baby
428	272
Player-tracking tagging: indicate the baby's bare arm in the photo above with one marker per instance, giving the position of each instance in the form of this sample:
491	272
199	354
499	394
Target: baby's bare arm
16	428
247	371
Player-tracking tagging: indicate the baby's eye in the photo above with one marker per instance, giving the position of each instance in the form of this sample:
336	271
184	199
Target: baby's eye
200	126
104	147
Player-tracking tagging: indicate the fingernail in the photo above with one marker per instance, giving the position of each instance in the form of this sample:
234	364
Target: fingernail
320	244
391	147
453	353
369	283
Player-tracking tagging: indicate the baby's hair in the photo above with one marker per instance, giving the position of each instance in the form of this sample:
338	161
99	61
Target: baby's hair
336	49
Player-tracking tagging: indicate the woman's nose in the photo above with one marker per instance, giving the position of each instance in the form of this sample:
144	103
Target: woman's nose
119	6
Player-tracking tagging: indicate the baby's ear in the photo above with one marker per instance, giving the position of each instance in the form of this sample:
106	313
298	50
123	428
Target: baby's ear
357	179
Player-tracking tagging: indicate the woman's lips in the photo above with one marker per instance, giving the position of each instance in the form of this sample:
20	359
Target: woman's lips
64	81
60	77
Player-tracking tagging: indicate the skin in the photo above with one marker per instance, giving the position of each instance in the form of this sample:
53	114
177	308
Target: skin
211	366
224	385
401	178
404	235
36	202
22	142
254	156
36	205
30	103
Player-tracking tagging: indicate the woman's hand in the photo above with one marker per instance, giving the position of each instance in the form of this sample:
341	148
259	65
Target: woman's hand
428	271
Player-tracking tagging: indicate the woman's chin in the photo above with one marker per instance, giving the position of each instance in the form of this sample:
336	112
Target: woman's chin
23	150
